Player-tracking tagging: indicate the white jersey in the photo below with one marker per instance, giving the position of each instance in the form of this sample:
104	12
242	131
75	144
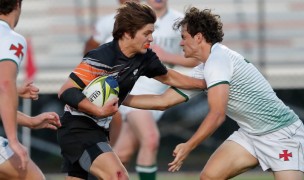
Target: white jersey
252	102
12	45
104	28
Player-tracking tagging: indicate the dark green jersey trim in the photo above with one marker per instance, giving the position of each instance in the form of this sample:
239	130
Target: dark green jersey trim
181	93
247	60
223	82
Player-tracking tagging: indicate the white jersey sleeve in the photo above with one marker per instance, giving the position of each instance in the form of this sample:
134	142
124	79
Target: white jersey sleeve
218	68
104	28
12	45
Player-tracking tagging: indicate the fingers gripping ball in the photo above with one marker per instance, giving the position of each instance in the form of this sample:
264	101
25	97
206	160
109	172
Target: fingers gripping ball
101	89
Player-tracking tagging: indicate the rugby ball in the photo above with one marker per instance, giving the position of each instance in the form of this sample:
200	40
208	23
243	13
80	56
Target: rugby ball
101	89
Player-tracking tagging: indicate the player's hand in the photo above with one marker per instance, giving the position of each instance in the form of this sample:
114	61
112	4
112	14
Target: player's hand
28	91
21	152
48	120
110	107
180	153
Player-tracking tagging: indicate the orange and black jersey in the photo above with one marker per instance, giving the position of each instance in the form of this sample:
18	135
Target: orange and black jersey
108	60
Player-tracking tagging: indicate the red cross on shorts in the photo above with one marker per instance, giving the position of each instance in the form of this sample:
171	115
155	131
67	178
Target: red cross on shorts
18	50
285	155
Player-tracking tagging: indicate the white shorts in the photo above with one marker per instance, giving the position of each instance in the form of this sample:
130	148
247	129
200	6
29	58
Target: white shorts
5	151
145	85
124	110
280	150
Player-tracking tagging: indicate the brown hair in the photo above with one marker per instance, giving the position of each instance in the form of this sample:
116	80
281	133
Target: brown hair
131	17
204	22
7	6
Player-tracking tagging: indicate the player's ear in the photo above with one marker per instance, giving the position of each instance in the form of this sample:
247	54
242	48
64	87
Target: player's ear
127	35
199	37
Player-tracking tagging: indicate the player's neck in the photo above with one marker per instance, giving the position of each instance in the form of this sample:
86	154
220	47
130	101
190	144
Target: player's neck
161	12
8	20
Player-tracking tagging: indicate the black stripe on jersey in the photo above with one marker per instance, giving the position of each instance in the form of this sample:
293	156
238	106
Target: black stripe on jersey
77	80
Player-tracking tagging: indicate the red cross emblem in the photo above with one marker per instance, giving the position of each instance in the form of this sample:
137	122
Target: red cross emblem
18	50
285	155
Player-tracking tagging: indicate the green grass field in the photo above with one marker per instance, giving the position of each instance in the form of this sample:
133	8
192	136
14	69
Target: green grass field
185	176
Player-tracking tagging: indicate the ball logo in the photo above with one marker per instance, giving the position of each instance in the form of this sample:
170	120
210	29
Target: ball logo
94	95
101	89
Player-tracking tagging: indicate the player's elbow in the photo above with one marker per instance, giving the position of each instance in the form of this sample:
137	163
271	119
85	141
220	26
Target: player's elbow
163	106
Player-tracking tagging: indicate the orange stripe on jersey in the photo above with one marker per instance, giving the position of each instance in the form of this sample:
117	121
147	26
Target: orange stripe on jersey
87	72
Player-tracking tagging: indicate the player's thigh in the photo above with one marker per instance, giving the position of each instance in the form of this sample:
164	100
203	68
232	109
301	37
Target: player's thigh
127	142
229	160
9	170
115	128
294	175
143	125
72	178
108	166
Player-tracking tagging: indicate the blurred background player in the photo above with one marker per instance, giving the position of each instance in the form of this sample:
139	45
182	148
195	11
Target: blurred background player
139	131
15	162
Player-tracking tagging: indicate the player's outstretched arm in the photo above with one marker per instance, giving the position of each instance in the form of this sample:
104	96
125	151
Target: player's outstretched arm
48	120
217	100
173	58
176	79
158	102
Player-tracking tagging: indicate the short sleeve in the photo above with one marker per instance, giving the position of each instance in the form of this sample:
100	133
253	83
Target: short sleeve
218	69
13	49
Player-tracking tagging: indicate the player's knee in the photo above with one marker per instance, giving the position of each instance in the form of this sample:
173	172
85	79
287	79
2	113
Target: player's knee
125	155
117	175
151	142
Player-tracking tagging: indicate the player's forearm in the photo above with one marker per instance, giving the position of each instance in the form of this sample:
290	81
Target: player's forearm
157	102
209	125
88	107
146	102
176	79
180	60
23	119
8	109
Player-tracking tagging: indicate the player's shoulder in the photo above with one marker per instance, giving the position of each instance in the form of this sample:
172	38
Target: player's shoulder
12	45
150	54
105	53
217	55
218	50
9	36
